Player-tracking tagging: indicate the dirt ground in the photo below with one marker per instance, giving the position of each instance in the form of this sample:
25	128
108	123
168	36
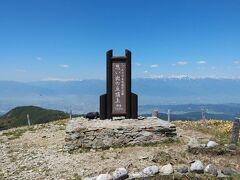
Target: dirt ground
37	153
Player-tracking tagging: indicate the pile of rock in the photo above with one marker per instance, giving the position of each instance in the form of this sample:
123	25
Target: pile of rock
103	134
194	143
196	167
211	147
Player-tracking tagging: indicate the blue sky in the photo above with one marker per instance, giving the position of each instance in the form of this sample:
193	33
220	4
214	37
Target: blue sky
67	39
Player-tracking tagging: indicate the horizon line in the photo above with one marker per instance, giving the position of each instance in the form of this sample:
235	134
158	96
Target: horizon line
160	77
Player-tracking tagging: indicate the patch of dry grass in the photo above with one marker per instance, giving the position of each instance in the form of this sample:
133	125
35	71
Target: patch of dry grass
14	134
221	130
61	122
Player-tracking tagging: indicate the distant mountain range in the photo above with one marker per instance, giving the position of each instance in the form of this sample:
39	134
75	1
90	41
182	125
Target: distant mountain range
194	111
83	96
18	116
231	109
194	116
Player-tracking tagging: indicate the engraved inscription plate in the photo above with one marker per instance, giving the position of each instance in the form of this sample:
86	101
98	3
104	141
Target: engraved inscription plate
118	88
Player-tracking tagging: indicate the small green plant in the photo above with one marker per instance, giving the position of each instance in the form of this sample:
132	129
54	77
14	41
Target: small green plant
14	134
13	158
61	122
76	177
102	157
1	175
62	128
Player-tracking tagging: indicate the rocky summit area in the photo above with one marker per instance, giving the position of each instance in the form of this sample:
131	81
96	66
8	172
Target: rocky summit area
38	152
105	134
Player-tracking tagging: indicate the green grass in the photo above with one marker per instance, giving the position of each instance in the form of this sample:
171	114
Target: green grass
18	116
219	130
76	177
13	158
218	136
1	175
14	134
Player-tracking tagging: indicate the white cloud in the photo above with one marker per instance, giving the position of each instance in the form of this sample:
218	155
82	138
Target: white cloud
154	76
154	66
138	64
21	70
201	62
188	77
179	76
145	72
236	62
182	63
213	68
39	58
64	65
60	79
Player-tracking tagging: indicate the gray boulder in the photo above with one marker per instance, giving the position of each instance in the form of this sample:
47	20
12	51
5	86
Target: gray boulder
92	115
74	136
141	118
211	169
137	175
151	170
104	177
221	175
182	168
232	147
229	171
202	145
120	174
212	144
197	167
90	178
167	169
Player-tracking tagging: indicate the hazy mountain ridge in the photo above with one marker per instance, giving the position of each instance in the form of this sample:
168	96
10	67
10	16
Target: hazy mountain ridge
231	108
18	116
83	96
194	116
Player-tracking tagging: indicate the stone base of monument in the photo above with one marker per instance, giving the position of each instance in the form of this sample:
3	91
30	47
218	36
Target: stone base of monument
103	134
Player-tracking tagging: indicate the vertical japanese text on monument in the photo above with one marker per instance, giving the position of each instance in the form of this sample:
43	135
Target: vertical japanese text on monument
118	88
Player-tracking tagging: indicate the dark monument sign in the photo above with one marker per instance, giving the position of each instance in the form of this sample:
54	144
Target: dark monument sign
119	88
119	100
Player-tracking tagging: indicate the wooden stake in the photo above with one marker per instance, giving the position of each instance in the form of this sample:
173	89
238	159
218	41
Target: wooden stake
235	131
